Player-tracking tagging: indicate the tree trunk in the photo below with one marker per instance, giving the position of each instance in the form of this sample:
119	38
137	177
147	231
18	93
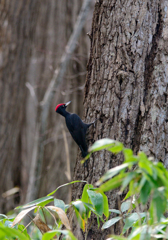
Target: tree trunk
126	88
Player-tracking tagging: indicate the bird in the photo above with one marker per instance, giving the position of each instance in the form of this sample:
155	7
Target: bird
76	127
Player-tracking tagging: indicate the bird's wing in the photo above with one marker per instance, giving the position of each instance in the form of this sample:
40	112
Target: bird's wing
74	122
77	130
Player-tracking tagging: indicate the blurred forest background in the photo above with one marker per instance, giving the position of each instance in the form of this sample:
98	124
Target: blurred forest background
33	38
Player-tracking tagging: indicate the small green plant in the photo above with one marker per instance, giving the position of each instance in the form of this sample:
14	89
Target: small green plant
91	201
147	183
141	213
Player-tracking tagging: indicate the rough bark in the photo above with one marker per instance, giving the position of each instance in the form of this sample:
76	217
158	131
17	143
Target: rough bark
126	87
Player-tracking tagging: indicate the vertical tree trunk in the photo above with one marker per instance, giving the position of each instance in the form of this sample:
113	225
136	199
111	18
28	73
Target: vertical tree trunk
126	87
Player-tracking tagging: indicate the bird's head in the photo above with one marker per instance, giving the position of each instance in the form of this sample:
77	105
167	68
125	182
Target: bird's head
60	108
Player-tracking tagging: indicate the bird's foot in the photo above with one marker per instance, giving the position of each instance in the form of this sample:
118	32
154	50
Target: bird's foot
94	122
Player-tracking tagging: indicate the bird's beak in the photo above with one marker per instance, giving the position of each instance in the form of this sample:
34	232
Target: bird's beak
66	104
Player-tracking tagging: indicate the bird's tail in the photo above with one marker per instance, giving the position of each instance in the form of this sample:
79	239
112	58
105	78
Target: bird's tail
84	154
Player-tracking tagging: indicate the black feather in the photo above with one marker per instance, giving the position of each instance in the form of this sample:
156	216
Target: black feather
76	127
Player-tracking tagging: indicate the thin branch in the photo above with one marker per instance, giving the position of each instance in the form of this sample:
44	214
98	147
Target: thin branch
76	75
44	215
52	216
34	222
26	226
81	88
32	92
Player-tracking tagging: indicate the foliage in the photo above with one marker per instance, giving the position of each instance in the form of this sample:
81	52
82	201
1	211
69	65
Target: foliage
141	214
147	184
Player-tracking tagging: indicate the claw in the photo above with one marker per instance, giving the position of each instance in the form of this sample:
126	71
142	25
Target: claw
94	123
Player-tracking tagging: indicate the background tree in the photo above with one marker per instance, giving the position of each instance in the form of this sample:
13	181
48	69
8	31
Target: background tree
33	37
126	87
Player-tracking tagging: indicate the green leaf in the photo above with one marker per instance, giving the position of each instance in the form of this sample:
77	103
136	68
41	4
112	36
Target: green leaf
85	197
59	203
152	213
160	202
115	211
162	174
155	172
105	205
127	179
111	222
134	217
3	216
125	205
112	183
136	233
145	163
51	234
128	155
154	183
112	172
104	144
115	237
79	205
23	230
145	192
38	202
11	233
80	212
66	184
97	201
90	206
145	233
118	147
127	195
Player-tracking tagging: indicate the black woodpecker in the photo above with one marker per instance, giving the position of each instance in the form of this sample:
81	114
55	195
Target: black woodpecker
76	127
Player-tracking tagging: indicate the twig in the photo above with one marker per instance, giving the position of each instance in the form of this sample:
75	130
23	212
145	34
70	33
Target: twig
32	92
27	226
52	216
34	222
44	215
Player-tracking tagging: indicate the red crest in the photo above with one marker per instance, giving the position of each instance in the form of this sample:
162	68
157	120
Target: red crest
59	106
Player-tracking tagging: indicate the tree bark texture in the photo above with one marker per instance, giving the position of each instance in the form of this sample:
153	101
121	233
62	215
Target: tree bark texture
126	87
33	36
